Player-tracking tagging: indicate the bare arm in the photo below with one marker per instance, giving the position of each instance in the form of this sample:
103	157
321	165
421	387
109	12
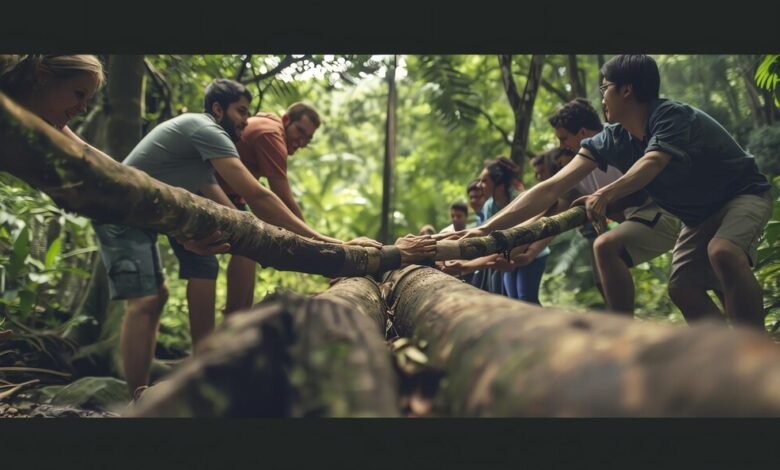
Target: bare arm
539	198
281	187
215	192
264	204
66	130
637	177
461	267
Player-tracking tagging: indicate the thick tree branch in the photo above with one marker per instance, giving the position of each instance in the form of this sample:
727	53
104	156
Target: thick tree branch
80	180
242	68
287	61
555	90
504	133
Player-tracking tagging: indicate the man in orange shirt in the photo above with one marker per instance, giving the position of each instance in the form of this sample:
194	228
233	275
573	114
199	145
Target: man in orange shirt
265	144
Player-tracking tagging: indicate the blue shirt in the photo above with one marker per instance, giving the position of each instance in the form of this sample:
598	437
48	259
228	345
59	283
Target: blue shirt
708	167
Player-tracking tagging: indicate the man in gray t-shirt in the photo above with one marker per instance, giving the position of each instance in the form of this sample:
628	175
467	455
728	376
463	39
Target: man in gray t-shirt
178	152
185	152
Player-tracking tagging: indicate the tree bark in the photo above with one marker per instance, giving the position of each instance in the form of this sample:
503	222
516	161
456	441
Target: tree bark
125	93
80	180
600	62
387	178
502	241
577	86
747	72
298	357
522	106
502	357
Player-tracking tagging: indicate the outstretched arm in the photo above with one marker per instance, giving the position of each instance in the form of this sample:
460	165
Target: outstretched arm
264	204
281	187
637	177
533	202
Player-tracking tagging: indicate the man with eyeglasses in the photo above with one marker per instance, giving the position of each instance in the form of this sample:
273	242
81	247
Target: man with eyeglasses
266	143
690	166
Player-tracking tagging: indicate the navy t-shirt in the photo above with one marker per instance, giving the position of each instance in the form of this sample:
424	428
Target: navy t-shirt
708	167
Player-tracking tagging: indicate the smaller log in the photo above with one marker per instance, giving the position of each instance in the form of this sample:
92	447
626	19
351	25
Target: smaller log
503	241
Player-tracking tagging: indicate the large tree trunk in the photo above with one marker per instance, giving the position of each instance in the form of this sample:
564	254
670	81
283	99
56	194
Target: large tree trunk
502	357
577	84
125	93
522	106
80	180
120	116
298	357
747	69
387	178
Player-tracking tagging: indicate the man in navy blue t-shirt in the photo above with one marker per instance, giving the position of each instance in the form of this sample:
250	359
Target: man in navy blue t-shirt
691	167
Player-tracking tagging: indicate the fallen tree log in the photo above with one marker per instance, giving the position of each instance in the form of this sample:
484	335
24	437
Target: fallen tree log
502	357
80	180
295	356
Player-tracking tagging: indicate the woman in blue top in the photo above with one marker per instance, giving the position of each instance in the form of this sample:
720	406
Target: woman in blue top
521	275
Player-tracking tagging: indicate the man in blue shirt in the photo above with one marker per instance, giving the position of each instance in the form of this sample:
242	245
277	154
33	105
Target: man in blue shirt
691	167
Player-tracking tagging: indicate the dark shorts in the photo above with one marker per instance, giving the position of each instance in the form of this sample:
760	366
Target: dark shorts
132	260
193	265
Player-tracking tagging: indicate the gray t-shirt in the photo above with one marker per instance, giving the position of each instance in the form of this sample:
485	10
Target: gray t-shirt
708	167
177	152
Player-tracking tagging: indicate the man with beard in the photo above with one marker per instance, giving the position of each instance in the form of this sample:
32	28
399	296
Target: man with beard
185	152
265	144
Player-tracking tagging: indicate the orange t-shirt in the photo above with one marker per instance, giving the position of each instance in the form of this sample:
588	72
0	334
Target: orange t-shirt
262	148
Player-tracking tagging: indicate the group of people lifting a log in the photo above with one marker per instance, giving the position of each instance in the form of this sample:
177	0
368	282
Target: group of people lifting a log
670	174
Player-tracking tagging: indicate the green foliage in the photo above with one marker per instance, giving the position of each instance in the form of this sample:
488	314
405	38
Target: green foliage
764	144
768	264
33	236
768	76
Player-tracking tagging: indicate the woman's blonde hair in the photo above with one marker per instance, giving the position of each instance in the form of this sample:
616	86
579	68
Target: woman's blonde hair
19	73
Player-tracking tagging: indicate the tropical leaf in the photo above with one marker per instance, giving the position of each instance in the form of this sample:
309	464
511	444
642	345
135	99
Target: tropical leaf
768	75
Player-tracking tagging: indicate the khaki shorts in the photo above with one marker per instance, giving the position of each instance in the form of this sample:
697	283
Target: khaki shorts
647	232
741	221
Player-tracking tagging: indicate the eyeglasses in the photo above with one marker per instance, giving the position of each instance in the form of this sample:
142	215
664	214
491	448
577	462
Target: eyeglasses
603	88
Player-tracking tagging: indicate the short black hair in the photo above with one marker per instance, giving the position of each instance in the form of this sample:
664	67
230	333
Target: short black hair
224	92
638	70
549	160
502	171
473	185
575	115
460	206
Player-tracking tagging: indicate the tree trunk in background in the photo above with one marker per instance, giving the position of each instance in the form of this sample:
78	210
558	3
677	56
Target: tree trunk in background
124	109
747	69
295	356
82	181
385	230
503	357
600	61
522	106
119	132
722	76
577	85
